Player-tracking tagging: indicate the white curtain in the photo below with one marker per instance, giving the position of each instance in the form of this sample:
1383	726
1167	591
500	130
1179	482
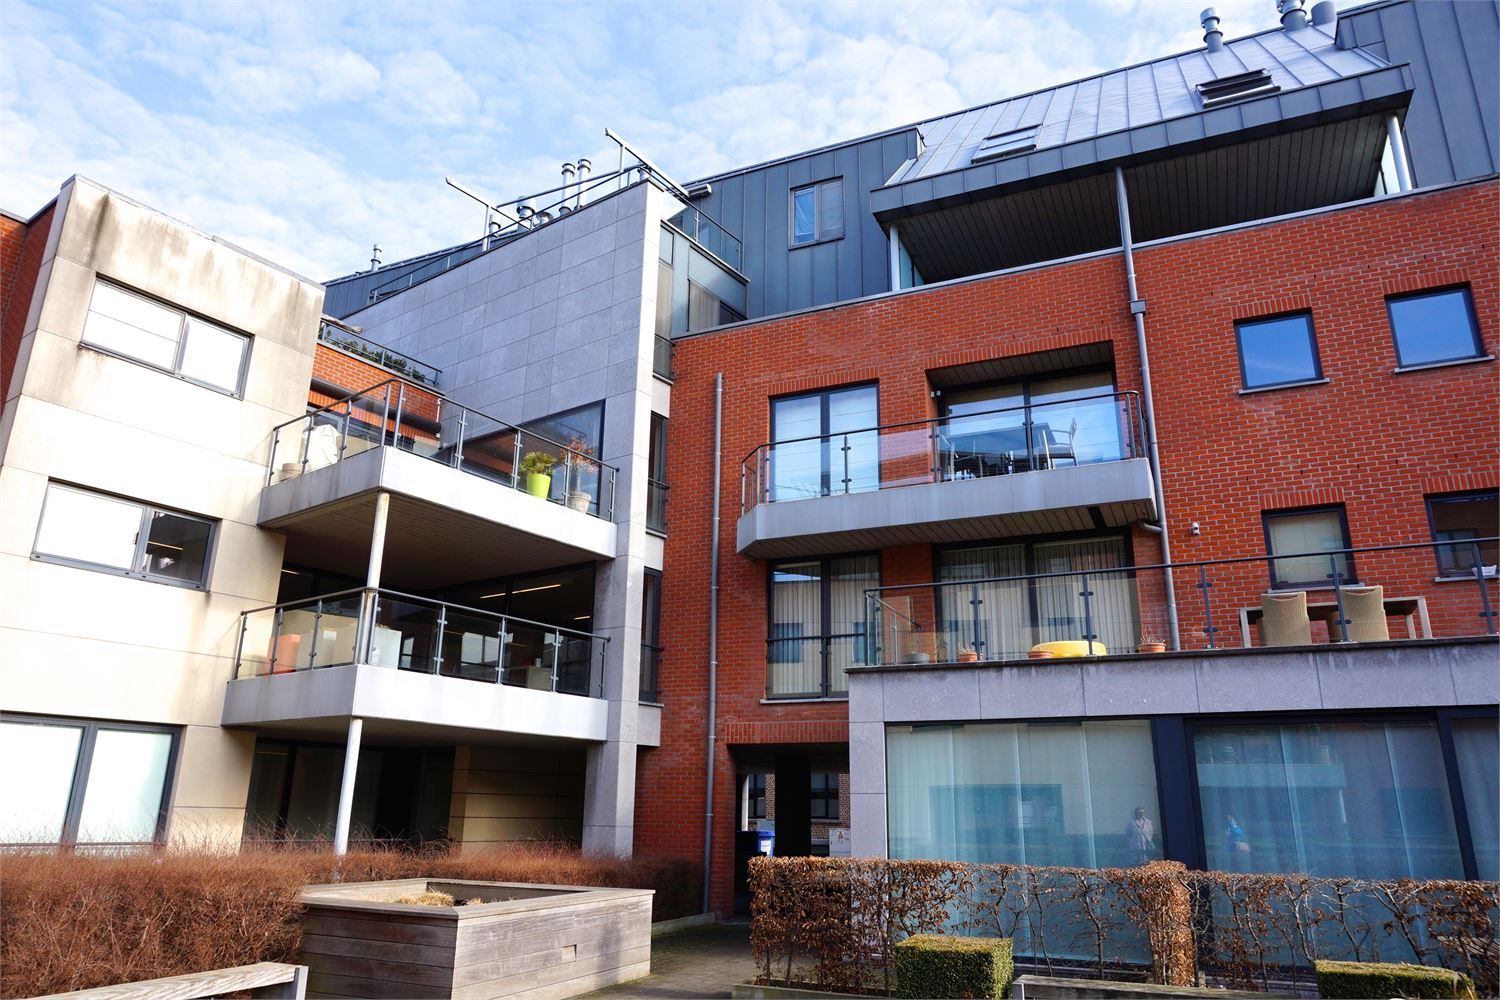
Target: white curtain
1003	611
794	653
1476	744
1112	604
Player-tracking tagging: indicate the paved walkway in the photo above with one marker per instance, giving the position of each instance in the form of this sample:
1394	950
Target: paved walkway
698	962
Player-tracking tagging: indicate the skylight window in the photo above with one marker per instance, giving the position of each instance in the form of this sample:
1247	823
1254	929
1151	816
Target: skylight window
1228	89
1005	144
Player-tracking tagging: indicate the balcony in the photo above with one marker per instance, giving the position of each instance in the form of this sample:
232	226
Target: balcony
399	657
1071	465
1380	594
470	494
338	335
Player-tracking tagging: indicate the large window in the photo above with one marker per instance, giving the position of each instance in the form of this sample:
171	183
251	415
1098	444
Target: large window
1280	350
1038	423
1072	793
580	429
1361	799
144	330
824	443
1476	744
1322	529
82	782
1434	327
818	212
817	626
95	531
1002	621
1460	518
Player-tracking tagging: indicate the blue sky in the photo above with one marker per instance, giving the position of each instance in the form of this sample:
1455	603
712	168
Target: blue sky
307	131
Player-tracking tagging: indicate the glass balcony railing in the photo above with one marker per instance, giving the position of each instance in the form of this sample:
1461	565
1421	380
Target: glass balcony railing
661	359
385	628
1082	431
1373	594
709	235
393	414
403	365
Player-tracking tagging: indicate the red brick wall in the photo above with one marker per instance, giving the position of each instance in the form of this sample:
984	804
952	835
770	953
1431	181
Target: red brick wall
21	247
1370	439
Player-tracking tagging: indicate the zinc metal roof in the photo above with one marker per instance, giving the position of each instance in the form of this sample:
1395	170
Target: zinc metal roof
1145	94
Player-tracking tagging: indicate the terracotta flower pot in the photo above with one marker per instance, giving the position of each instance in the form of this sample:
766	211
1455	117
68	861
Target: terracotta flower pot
968	656
1041	654
1151	647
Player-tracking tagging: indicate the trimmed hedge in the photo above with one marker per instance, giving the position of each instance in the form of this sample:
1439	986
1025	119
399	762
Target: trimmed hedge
1357	980
943	965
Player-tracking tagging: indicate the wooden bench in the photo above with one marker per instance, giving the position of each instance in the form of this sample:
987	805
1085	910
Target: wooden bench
263	979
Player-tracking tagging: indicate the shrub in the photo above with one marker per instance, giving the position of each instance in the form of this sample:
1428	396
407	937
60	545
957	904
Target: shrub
1385	979
77	921
941	965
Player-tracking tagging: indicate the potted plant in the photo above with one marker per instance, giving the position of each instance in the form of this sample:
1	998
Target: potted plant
919	646
583	455
968	654
1040	654
536	470
1151	643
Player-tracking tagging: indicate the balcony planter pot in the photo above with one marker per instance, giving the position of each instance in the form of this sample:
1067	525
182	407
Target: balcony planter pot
538	484
1041	654
968	656
579	500
1151	647
916	658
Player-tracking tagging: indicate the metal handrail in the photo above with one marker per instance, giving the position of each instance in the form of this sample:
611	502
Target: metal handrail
1132	393
330	334
502	424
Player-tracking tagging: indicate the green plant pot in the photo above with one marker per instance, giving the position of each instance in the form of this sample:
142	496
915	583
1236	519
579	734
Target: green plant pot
538	485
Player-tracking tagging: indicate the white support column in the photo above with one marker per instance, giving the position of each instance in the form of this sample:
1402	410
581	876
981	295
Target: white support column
893	243
1398	152
366	626
346	786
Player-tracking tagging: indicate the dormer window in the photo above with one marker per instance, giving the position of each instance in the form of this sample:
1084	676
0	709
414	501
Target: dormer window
1228	89
1006	144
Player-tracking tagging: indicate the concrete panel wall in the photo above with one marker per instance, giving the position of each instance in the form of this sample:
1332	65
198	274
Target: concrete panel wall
86	644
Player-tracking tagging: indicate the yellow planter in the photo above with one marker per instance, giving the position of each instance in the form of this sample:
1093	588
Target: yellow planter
1073	647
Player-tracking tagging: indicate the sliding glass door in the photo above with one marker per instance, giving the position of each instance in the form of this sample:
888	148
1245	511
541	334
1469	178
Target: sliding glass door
824	443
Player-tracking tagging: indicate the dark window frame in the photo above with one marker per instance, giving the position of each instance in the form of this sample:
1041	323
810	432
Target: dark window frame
1312	341
1468	295
142	540
651	648
755	789
825	612
248	345
83	763
1267	516
816	187
824	434
1438	498
658	492
827	796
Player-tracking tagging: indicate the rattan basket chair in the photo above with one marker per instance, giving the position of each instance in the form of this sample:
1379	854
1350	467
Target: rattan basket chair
1284	620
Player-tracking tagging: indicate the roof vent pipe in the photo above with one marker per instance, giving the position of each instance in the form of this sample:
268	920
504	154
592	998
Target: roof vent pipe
1325	14
1212	36
567	175
583	175
1293	17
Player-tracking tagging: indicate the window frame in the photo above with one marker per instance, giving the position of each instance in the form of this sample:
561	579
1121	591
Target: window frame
1468	295
752	793
247	342
1266	516
1312	342
1428	502
650	636
824	434
142	540
83	764
825	613
818	236
828	796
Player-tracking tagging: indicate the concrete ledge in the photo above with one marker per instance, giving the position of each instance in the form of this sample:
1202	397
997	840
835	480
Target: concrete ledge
1049	987
755	991
663	927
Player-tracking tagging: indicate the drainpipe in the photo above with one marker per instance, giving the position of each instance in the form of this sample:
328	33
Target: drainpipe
1398	152
713	639
1138	310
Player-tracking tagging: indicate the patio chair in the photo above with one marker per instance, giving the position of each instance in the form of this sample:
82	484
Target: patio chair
1365	609
1061	444
1284	620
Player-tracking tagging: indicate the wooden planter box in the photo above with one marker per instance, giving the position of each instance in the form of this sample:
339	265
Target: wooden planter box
544	941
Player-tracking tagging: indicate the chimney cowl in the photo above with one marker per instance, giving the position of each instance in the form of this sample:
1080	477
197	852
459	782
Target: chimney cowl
1325	13
1213	37
1293	17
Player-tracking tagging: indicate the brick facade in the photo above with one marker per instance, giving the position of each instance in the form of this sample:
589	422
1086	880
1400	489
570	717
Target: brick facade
21	246
1373	440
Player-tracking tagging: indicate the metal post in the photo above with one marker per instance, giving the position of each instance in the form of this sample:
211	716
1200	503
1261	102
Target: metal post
1338	597
1488	614
743	475
1398	152
437	648
974	604
346	786
845	450
400	406
556	643
613	483
567	474
276	639
344	430
937	455
385	416
271	459
1208	613
306	441
458	446
515	465
501	654
239	643
1088	613
312	647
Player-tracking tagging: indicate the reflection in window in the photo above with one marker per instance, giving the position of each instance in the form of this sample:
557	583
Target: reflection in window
824	443
1277	351
818	212
1367	800
96	531
1323	530
133	326
817	626
120	799
1433	327
1024	793
1040	423
580	430
1476	744
825	795
1460	518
